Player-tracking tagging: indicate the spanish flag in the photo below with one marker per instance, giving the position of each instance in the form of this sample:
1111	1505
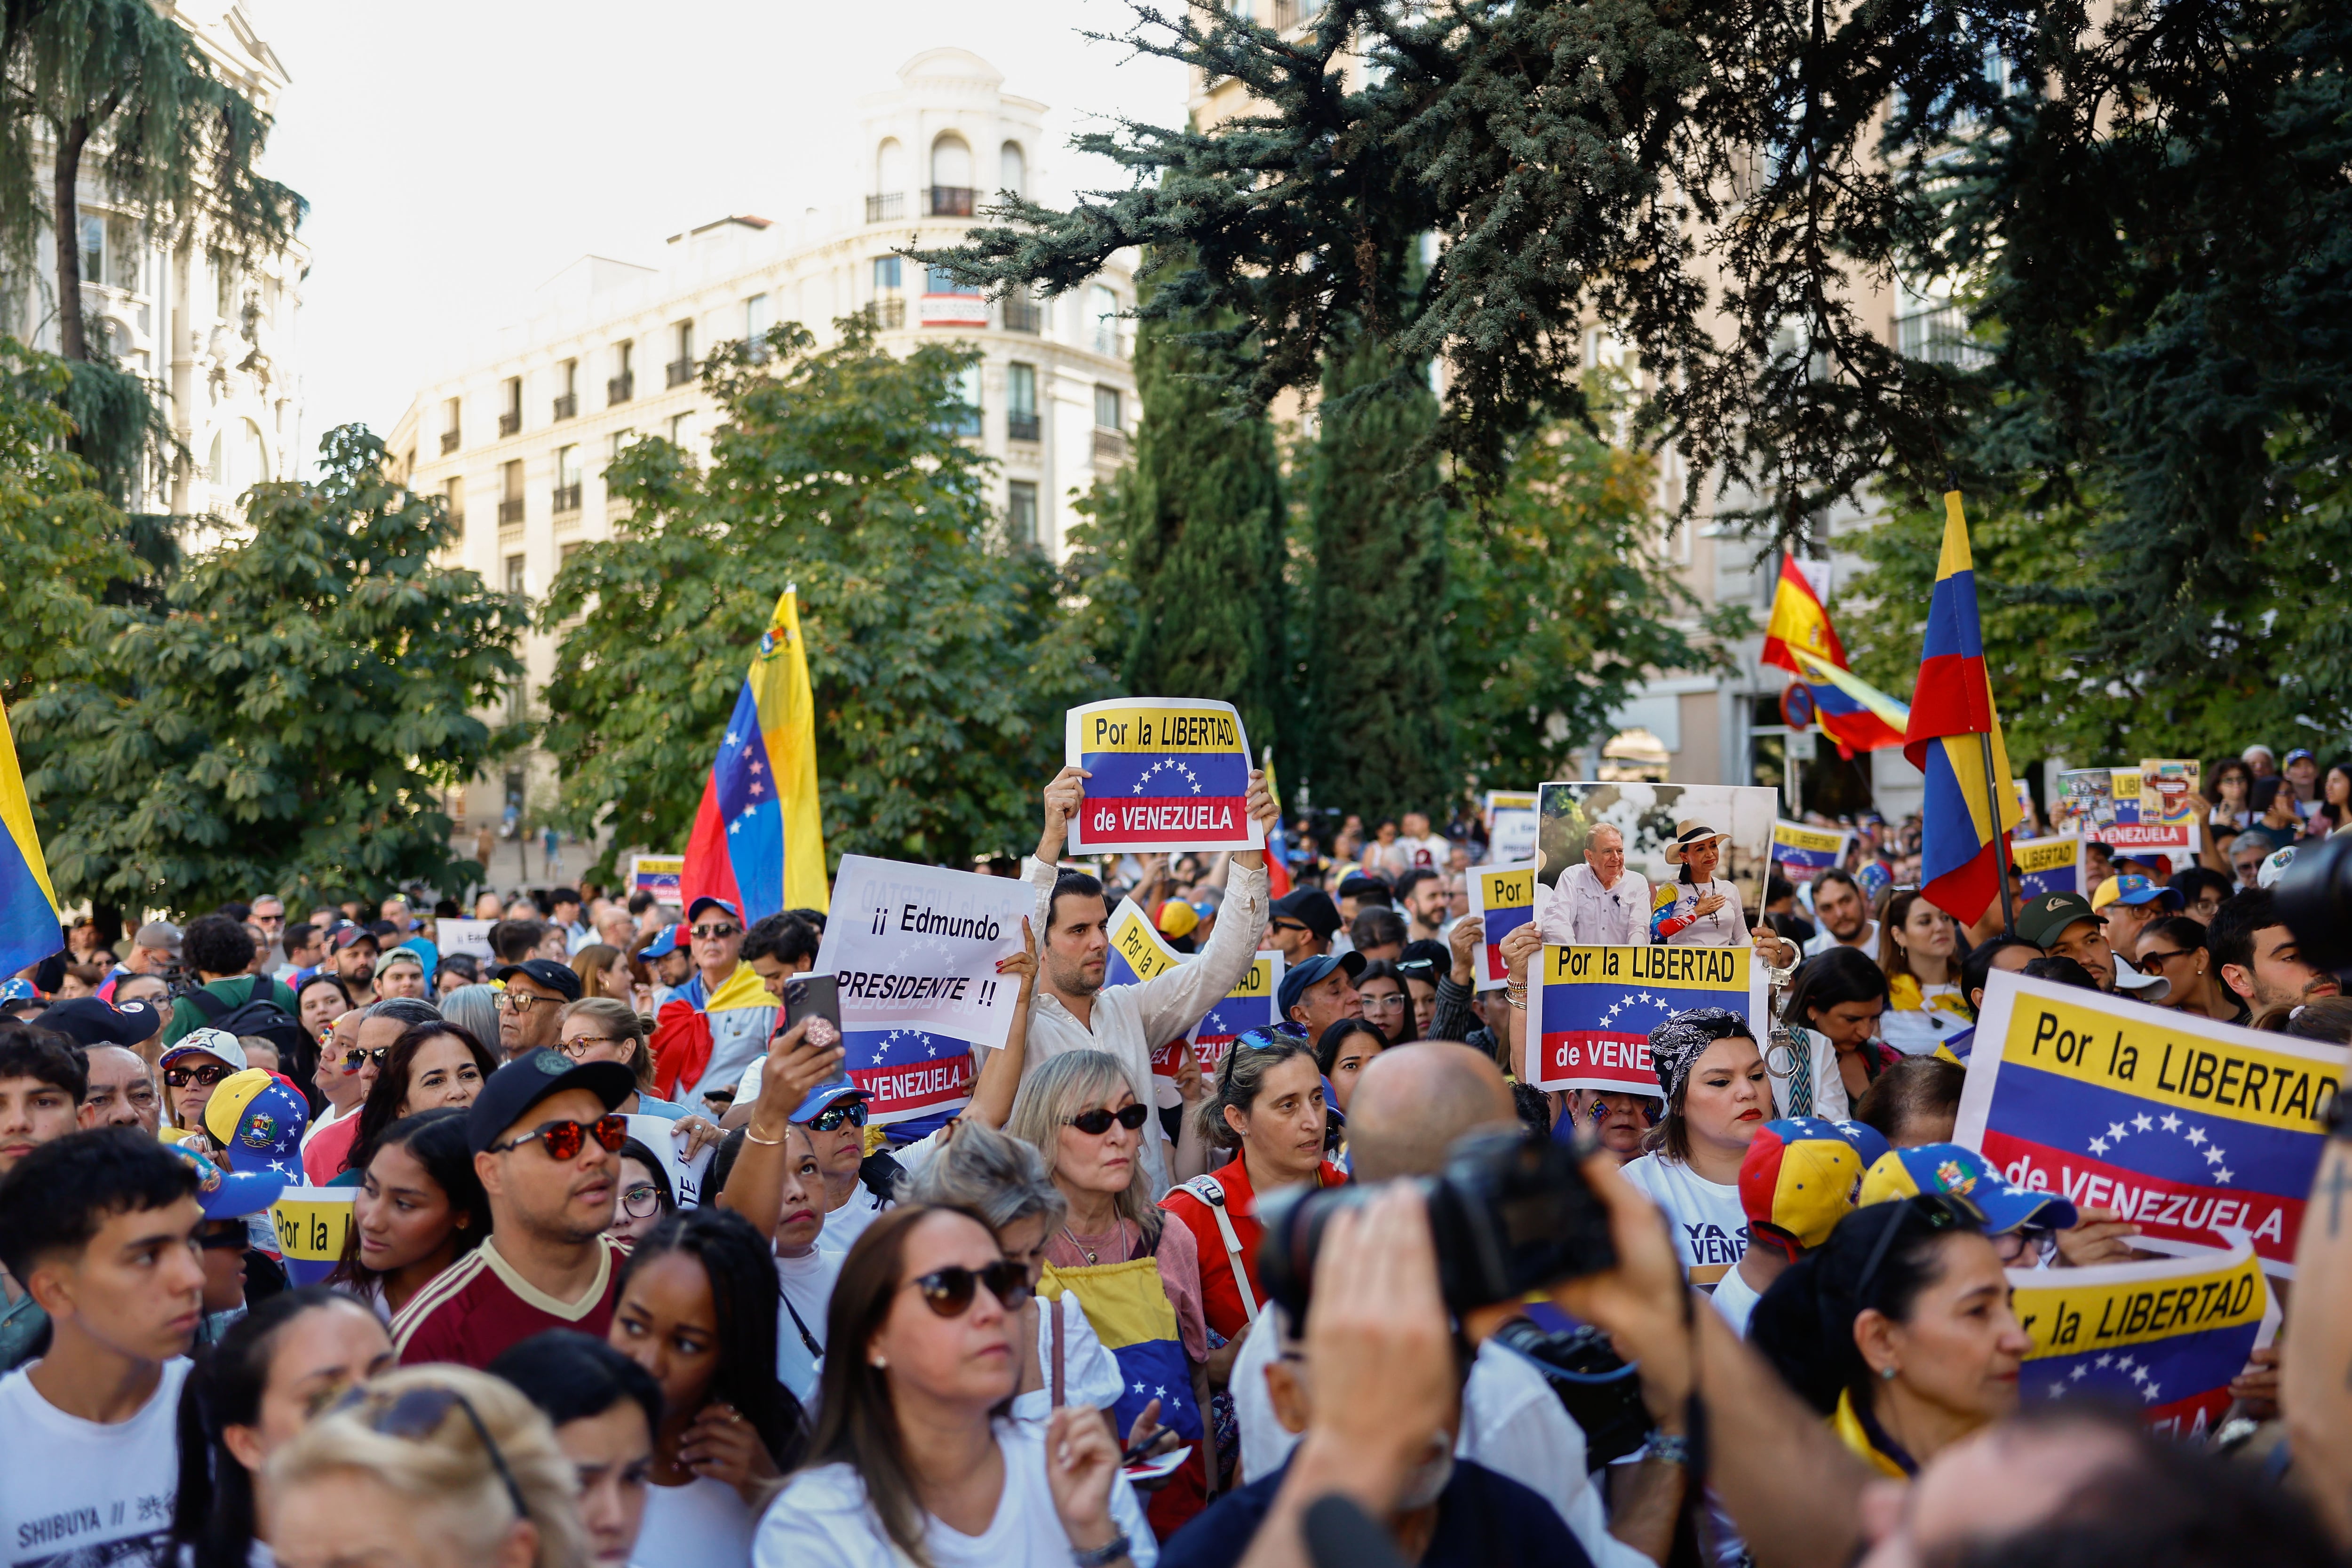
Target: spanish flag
29	928
1800	638
758	841
1970	803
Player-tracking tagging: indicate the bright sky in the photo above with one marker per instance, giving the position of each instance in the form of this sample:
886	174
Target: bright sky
457	154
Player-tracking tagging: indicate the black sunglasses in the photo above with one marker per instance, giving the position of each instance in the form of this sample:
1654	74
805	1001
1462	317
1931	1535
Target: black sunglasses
1095	1122
830	1119
179	1078
948	1292
415	1413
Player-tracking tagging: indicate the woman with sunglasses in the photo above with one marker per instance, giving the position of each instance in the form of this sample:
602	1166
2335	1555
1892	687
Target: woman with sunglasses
427	1466
428	1066
697	1309
282	1363
1387	1007
910	1461
419	1208
192	1068
643	1197
1898	1327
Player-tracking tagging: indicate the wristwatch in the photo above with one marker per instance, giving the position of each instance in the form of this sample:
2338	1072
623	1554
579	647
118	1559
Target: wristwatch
1103	1556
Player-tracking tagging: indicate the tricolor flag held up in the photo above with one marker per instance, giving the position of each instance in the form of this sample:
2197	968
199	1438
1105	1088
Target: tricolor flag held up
1804	852
758	842
1596	1005
29	928
2048	865
2186	1127
1503	897
2163	1338
1248	1005
1168	773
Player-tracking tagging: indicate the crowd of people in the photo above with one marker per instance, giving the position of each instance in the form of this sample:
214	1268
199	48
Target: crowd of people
629	1278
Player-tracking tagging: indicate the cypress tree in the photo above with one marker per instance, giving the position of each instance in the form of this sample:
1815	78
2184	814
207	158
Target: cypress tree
1374	665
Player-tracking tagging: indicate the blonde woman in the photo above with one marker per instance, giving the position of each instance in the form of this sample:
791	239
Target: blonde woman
430	1466
599	1028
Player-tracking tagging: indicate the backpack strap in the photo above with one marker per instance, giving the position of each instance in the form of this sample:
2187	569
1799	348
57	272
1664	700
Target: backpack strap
1212	1191
212	1007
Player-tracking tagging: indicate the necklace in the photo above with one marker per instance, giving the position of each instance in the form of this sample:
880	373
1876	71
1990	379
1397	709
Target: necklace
1119	1226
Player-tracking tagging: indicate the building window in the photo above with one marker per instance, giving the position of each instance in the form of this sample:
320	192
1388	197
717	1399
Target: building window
567	479
510	493
950	177
886	273
122	254
1020	514
1103	305
567	401
681	369
1021	402
1012	170
515	580
939	280
681	427
453	497
965	418
93	248
510	418
623	383
622	440
888	201
450	410
755	326
1106	407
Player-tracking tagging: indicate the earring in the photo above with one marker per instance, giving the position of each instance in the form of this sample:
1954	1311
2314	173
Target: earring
878	1363
1887	1372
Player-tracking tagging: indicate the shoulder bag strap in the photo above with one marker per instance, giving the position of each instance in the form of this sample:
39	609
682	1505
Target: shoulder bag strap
1057	1350
210	1005
1212	1191
807	1339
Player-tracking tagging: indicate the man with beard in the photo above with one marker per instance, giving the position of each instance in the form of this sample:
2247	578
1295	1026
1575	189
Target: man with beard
2259	960
351	954
1843	914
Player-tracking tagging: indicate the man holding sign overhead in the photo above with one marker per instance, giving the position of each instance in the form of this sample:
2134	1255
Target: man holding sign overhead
1074	1010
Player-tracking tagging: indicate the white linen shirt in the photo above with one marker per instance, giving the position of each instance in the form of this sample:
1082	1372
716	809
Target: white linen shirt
1580	912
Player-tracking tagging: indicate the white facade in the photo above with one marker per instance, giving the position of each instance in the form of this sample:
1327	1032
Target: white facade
218	345
518	442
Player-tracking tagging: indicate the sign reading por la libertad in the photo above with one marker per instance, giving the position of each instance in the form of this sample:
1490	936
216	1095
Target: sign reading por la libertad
1165	773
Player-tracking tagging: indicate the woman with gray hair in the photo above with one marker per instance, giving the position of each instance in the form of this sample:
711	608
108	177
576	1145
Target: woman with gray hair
475	1009
1003	1183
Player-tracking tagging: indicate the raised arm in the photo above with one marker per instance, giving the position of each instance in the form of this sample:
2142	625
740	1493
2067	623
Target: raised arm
1520	948
755	1187
1000	1075
1172	1003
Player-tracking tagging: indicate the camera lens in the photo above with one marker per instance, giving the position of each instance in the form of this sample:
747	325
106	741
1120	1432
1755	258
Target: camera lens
2315	899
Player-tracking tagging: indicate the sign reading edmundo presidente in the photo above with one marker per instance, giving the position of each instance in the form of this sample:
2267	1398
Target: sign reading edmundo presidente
2187	1128
1166	773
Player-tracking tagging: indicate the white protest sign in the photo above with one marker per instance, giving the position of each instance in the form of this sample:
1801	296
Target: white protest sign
658	1133
471	938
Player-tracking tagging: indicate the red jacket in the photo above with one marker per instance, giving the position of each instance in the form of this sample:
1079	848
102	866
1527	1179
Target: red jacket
1221	1295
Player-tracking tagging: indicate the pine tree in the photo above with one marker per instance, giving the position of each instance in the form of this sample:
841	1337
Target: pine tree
1374	660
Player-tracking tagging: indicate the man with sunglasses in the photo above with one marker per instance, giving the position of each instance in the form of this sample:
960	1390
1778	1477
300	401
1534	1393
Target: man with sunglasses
716	1024
546	1141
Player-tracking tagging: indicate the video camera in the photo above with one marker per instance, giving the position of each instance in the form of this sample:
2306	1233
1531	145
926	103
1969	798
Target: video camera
2316	899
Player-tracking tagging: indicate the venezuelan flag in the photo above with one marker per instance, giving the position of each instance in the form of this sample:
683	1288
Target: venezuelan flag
1277	838
1127	1306
758	842
1800	638
1970	805
29	927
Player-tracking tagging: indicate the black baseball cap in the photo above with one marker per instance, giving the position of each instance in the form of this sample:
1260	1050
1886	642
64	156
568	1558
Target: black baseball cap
557	977
94	1021
510	1092
349	935
1310	907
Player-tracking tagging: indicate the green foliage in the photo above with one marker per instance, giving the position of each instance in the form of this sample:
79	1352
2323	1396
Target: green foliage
939	675
1558	606
1372	663
283	722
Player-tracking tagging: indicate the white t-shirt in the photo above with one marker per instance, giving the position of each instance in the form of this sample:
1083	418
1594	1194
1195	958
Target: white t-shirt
75	1491
1822	941
820	1521
702	1524
1090	1374
805	1286
1709	1224
1736	1298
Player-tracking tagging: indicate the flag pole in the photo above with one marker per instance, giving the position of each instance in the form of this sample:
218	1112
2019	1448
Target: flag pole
1999	837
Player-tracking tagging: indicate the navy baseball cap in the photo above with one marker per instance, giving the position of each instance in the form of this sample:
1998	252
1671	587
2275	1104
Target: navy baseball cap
1313	971
509	1092
711	902
823	1095
559	978
672	938
1310	907
94	1021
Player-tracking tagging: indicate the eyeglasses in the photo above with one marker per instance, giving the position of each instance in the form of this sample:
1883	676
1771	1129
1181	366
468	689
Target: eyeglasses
830	1119
1389	1003
2156	957
415	1413
204	1077
1290	925
515	1001
577	1049
232	1240
948	1292
1095	1122
713	932
564	1139
641	1202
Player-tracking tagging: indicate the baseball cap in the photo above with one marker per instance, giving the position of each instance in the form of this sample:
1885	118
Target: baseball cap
820	1097
2149	985
94	1021
2274	866
2046	915
159	934
1309	906
1963	1173
556	977
1313	971
709	901
510	1092
231	1195
1177	918
20	991
259	1119
2299	754
668	940
1800	1175
204	1042
2133	889
352	934
1356	884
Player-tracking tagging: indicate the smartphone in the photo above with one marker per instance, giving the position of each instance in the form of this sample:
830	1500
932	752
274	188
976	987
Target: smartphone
815	997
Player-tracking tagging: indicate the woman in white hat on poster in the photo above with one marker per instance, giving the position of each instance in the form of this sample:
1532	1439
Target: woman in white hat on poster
1699	909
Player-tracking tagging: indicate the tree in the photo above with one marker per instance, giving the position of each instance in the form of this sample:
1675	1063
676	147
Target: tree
1558	605
1373	661
938	673
284	721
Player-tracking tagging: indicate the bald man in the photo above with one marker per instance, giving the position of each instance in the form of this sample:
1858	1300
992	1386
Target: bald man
1410	1105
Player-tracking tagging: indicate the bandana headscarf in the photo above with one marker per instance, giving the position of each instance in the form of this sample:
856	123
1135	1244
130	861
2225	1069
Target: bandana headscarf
1677	1045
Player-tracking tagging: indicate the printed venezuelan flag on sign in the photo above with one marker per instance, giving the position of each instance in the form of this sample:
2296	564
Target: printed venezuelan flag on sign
1137	952
1596	1005
2186	1127
1127	1306
1804	852
2048	865
2162	1338
1166	773
1503	897
1248	1005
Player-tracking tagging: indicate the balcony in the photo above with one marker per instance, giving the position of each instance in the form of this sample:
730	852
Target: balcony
1021	426
448	442
566	498
1110	446
889	312
1021	314
951	200
510	422
884	208
509	510
622	387
568	406
679	372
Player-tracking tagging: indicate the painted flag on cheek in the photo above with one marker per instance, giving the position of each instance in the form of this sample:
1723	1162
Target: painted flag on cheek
1595	1007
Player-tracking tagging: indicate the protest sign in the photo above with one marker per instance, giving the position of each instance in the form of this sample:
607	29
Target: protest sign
2172	781
659	1135
1248	1005
2185	1127
1511	824
2111	806
1595	1007
2024	800
1804	852
1137	951
1651	816
314	1227
1504	899
1168	773
469	937
2048	865
2164	1337
659	875
915	949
